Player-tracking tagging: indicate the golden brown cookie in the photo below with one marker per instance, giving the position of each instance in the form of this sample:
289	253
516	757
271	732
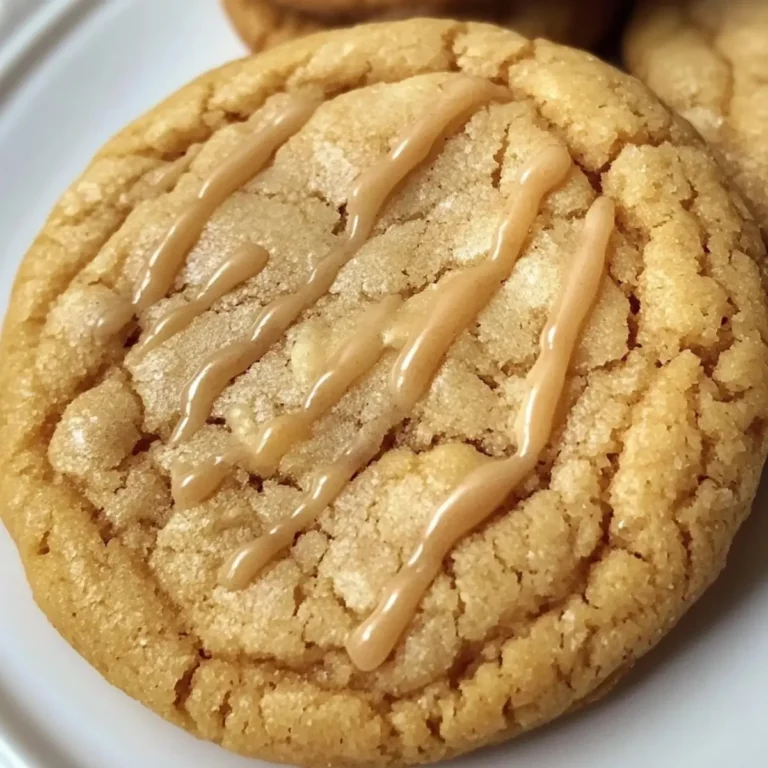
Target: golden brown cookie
335	7
708	59
263	23
401	149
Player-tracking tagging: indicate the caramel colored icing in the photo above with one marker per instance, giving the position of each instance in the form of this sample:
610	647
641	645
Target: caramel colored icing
366	200
267	444
486	488
261	447
169	176
246	262
253	154
421	340
192	484
458	300
164	263
244	564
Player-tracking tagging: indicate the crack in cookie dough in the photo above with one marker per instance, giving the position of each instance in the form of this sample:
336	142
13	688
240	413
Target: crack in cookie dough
542	608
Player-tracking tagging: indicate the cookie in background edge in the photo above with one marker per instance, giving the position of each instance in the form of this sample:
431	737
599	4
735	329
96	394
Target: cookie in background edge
264	23
708	59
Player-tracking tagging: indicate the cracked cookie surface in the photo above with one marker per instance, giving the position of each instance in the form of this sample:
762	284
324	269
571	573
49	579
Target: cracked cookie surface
708	59
264	23
652	467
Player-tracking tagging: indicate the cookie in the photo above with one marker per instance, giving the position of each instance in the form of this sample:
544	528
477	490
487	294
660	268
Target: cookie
335	7
385	395
708	60
264	23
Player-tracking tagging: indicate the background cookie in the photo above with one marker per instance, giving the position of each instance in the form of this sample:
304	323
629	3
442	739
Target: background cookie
333	7
708	59
540	609
262	23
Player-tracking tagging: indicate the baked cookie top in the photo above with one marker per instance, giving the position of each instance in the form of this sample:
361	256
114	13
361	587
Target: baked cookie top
264	23
708	59
445	171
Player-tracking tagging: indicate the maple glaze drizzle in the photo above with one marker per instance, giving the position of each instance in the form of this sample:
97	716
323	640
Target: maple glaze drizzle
261	447
268	443
366	200
246	262
169	176
456	303
190	485
244	564
486	488
243	164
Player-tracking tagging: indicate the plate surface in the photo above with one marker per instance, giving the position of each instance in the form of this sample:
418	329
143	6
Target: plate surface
71	74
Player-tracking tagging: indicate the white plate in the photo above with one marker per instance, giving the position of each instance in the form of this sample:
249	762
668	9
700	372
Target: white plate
69	78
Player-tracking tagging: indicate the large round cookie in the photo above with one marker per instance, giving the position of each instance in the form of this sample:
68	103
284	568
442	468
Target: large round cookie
708	59
264	23
651	464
